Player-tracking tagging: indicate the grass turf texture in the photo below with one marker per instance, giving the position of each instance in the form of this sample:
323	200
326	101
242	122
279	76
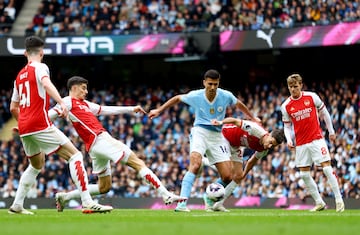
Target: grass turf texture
168	222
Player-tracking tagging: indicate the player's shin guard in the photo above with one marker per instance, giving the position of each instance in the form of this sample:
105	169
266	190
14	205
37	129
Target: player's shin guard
332	180
152	180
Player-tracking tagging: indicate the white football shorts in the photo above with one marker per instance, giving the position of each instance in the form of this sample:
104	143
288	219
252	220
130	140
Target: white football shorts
314	152
209	143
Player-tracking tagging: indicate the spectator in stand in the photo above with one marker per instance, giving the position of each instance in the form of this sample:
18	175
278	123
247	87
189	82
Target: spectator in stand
208	13
10	9
38	19
5	23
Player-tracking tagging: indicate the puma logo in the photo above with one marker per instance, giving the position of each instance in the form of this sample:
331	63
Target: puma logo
267	37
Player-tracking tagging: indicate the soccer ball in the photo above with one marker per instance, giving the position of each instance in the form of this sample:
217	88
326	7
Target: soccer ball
215	191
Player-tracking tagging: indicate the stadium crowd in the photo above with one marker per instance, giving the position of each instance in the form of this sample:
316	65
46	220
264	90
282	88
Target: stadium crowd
88	17
162	143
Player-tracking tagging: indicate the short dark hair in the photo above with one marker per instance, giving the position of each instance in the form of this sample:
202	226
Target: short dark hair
76	80
279	135
212	74
33	44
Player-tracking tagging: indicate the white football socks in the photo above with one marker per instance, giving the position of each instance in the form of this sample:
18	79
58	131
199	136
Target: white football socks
80	177
27	180
311	187
332	180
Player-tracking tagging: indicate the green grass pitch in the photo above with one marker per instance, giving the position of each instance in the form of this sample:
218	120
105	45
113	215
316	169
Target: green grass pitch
168	222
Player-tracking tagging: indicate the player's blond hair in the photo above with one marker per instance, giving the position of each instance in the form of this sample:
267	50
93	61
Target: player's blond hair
294	78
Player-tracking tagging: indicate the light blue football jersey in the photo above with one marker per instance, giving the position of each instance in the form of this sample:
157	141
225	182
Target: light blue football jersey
205	110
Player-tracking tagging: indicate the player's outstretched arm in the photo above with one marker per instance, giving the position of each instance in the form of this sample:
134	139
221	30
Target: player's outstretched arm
171	102
114	110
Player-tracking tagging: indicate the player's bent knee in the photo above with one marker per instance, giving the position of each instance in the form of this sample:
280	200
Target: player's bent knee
237	178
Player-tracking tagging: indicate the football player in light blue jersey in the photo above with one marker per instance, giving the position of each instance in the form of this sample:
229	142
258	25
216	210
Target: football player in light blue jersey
208	103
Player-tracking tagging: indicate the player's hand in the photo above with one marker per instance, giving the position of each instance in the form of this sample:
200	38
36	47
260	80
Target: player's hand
64	112
291	146
216	122
138	108
332	137
153	113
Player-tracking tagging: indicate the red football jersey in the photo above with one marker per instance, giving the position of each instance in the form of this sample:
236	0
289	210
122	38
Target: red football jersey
82	116
303	113
33	99
239	137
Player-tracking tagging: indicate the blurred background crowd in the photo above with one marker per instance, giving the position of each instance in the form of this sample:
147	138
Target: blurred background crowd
163	143
88	17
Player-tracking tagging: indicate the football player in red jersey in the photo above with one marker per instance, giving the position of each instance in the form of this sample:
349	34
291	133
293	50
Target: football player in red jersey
100	145
241	134
300	114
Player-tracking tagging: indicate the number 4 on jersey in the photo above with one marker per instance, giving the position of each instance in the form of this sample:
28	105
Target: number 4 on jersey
24	96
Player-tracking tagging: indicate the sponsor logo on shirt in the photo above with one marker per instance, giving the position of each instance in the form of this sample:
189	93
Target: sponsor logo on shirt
301	114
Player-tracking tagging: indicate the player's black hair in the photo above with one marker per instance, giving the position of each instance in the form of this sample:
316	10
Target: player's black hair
279	135
33	43
212	73
76	80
